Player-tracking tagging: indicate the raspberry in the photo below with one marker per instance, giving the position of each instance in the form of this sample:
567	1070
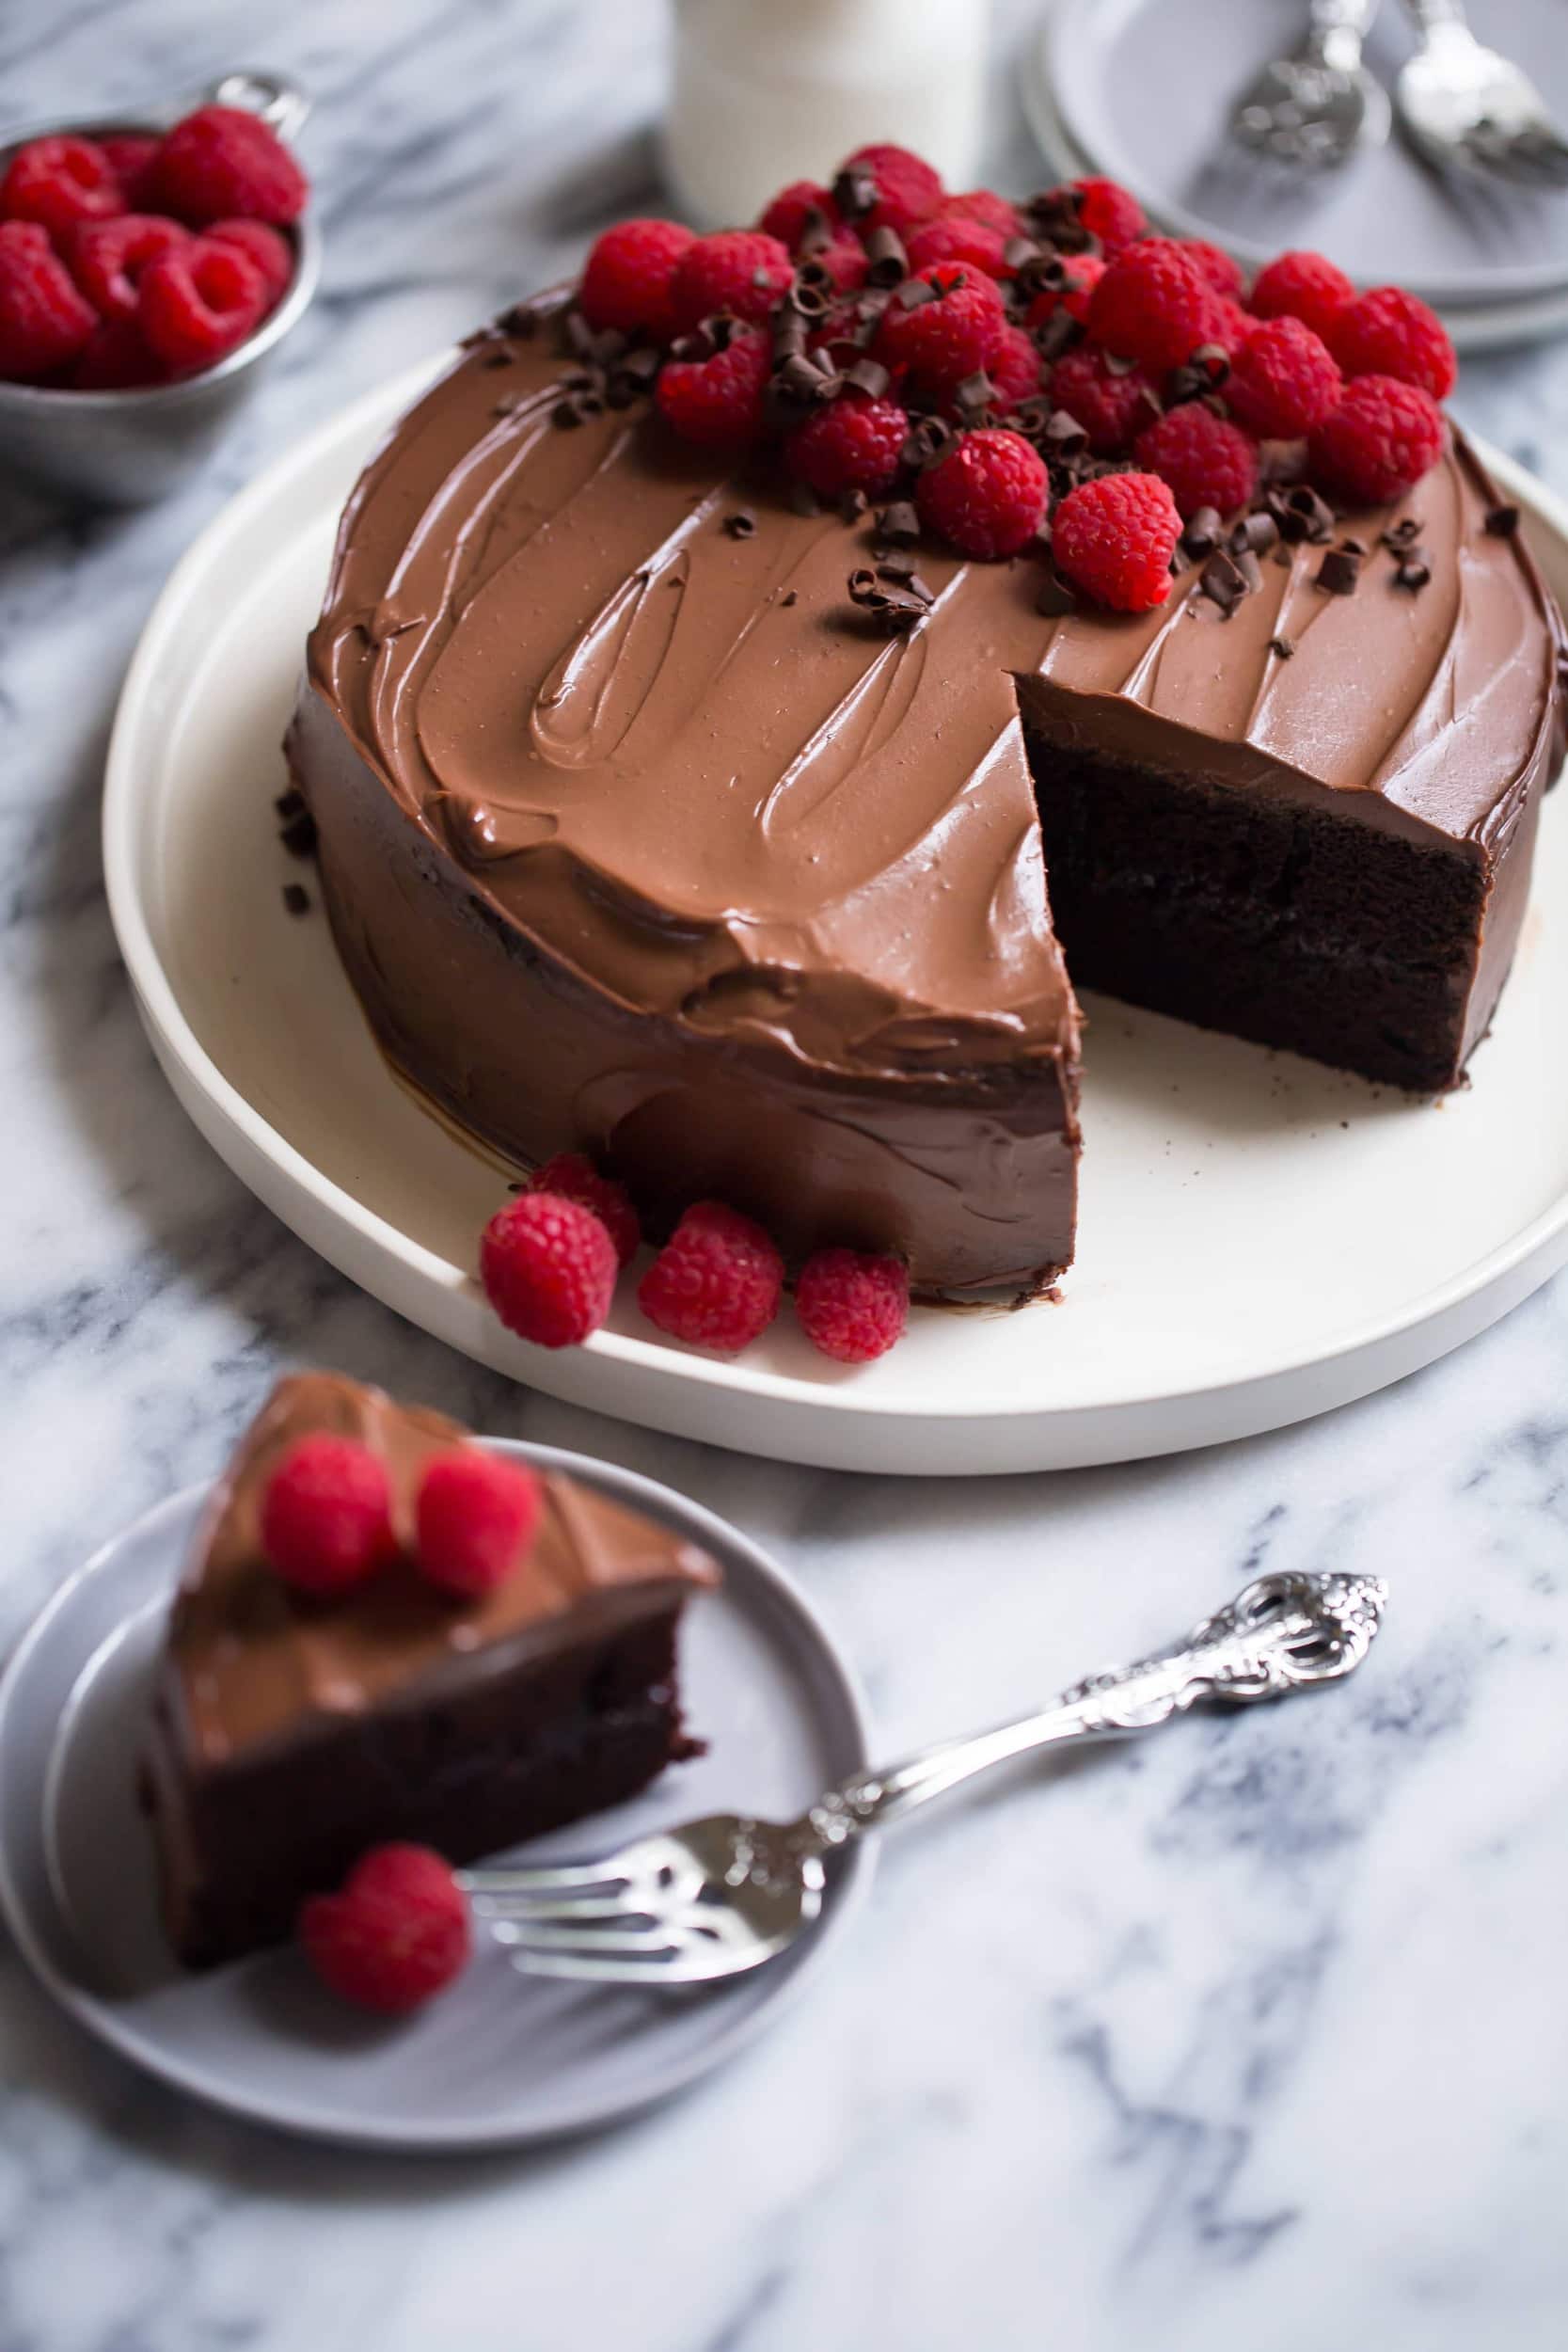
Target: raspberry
907	190
549	1269
717	400
845	260
1283	381
716	1283
130	158
199	303
397	1933
1303	286
954	238
272	253
475	1516
851	444
107	258
1153	304
1230	325
116	359
1205	460
1107	212
574	1176
1015	370
940	342
44	319
627	280
984	204
740	271
222	164
326	1520
57	181
1109	406
789	215
1081	274
1388	332
989	498
1215	266
1113	538
1379	442
850	1305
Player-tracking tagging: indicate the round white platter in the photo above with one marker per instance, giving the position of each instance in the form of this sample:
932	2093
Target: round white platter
1260	1239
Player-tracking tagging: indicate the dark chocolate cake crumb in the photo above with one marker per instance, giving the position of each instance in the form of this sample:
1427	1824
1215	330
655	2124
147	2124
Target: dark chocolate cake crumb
298	834
1412	571
1283	646
1503	521
297	898
1339	572
791	596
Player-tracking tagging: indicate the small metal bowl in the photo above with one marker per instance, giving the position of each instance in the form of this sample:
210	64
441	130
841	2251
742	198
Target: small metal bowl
129	448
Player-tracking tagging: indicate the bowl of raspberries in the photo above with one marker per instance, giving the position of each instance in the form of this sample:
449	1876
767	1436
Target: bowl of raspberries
148	270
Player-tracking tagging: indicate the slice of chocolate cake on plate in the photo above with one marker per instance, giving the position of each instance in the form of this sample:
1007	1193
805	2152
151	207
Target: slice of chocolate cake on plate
293	1727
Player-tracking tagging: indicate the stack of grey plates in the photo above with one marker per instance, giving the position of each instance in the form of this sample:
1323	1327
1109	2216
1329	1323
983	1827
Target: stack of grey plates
1139	92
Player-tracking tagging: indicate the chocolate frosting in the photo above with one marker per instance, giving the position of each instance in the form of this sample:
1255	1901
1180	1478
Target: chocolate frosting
671	770
251	1662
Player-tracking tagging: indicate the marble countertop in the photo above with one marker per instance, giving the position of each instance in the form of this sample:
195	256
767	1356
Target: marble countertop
1255	2038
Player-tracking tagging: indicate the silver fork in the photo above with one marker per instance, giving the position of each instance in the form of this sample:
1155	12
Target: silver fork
725	1894
1313	109
1467	109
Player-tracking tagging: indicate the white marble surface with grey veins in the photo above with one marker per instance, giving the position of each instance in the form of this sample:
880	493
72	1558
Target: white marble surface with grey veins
1254	2041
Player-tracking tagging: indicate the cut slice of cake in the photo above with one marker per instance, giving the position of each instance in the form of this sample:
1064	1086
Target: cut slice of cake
292	1731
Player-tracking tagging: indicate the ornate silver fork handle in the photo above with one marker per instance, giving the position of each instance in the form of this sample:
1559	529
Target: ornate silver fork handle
1283	1633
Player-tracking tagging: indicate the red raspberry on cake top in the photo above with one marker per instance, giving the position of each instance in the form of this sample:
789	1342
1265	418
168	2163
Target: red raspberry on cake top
549	1269
1113	538
59	181
1283	381
1379	442
475	1515
627	277
954	237
942	325
1015	368
988	496
1111	404
796	209
1204	460
327	1515
397	1933
222	162
984	204
718	400
45	320
1304	286
1389	332
1153	304
740	271
1216	267
717	1282
853	1304
1108	212
852	444
905	189
1081	274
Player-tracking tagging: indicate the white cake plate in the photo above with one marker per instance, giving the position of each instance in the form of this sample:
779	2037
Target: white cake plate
1260	1239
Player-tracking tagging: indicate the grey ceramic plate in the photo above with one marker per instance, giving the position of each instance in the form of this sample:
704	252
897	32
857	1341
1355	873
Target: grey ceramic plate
502	2058
1143	86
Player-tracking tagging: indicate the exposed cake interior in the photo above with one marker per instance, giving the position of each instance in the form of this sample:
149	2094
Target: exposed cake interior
290	1735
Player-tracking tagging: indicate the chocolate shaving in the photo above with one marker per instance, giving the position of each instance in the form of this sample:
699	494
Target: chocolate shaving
1202	533
298	835
1115	364
803	499
893	609
576	407
854	193
1056	221
580	335
499	357
869	376
1301	514
791	596
930	440
1065	435
1223	581
1400	535
1339	572
895	564
297	898
922	588
887	263
973	396
1502	521
742	524
1412	571
1254	534
852	505
1057	334
1021	254
289	804
1054	598
810	291
898	525
1200	377
915	293
1283	646
521	319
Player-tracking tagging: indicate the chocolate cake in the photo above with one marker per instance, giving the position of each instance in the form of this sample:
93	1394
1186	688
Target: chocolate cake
638	838
291	1734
